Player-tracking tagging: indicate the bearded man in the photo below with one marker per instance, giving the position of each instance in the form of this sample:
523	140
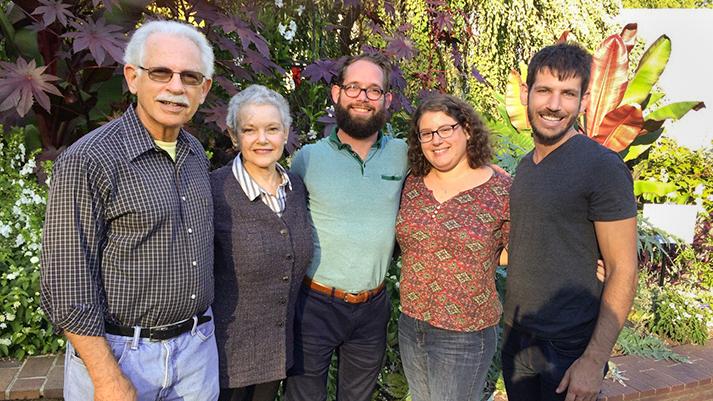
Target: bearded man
354	179
571	203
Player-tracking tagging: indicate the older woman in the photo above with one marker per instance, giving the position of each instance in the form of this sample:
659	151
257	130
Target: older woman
452	226
263	245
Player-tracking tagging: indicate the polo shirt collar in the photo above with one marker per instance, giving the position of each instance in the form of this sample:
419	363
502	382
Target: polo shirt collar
138	140
334	138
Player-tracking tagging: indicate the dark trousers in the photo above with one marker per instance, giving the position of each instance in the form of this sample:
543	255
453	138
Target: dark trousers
256	392
533	367
357	332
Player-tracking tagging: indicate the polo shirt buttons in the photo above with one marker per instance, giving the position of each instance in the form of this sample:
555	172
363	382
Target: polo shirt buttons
193	296
190	231
285	278
283	301
288	257
183	198
283	231
194	263
280	324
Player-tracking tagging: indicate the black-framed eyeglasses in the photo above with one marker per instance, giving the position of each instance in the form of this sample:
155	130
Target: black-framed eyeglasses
353	91
164	74
444	132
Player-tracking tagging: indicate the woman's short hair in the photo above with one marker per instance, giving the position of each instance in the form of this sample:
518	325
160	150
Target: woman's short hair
255	95
134	53
478	149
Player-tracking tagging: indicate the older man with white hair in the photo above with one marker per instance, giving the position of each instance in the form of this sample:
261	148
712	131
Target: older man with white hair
128	242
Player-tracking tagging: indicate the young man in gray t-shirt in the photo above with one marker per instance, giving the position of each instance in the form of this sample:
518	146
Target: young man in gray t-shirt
571	203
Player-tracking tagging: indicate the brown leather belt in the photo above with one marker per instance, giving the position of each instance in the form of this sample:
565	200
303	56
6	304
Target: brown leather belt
348	297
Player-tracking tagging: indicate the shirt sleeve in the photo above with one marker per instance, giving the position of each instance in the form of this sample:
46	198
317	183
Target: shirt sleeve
71	248
612	196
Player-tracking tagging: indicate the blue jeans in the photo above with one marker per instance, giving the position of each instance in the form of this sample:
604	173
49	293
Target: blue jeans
445	365
533	367
182	368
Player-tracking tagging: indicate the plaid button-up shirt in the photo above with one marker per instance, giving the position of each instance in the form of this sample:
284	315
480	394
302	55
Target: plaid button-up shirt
128	234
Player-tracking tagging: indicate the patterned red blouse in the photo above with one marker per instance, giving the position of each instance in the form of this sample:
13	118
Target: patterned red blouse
450	252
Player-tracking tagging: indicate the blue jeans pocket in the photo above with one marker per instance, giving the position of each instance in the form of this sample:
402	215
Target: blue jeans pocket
205	331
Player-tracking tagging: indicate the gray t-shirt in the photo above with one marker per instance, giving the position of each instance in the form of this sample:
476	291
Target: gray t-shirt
552	289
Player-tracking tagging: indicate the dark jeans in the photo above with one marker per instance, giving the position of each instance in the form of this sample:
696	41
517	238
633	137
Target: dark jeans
533	367
445	365
256	392
357	332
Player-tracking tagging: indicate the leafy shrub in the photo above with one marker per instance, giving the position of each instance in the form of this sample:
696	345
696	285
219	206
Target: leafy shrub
680	315
635	342
688	170
24	329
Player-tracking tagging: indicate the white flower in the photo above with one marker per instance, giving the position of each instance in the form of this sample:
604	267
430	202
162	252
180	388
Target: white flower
287	31
28	168
3	326
34	260
300	10
279	3
5	341
5	230
11	276
10	317
19	240
312	135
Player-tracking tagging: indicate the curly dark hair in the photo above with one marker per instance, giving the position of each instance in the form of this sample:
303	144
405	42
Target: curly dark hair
478	149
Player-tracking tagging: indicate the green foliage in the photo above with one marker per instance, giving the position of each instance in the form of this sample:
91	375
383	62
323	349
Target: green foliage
666	3
633	342
24	329
686	171
680	315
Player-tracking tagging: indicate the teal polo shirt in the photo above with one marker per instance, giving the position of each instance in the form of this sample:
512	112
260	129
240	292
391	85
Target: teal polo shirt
353	204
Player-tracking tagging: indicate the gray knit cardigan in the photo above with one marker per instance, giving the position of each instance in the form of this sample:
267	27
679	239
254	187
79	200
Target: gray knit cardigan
260	261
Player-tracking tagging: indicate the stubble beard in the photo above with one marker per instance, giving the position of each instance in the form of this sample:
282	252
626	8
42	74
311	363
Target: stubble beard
359	128
552	139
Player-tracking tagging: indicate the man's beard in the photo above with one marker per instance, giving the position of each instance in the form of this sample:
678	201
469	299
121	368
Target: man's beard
549	140
359	128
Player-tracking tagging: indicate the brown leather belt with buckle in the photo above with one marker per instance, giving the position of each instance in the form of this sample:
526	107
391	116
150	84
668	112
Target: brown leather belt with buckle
348	297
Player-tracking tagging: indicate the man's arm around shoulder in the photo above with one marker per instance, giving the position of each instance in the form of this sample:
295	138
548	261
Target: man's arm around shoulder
617	242
110	384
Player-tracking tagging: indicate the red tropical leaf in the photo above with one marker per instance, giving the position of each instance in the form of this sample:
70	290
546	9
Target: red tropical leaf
22	82
628	35
608	82
99	38
52	11
620	127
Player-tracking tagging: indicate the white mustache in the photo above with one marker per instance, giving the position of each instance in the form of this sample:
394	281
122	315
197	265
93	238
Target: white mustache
167	97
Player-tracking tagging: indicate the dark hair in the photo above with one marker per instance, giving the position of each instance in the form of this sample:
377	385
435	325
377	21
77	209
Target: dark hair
478	148
566	60
377	58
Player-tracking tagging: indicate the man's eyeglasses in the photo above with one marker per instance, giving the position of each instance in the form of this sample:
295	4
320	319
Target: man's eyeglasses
444	132
163	75
353	91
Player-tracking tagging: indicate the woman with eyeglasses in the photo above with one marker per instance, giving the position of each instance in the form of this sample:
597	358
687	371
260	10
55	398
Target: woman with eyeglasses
452	226
263	245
